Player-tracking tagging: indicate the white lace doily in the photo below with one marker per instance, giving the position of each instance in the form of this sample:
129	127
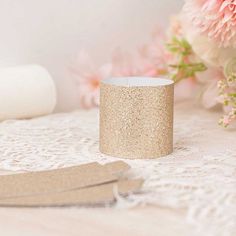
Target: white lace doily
200	176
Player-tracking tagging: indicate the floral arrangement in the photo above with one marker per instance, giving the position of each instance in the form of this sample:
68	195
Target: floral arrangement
198	52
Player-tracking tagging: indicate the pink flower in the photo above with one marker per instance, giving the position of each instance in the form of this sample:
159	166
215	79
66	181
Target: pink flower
150	60
154	56
210	95
185	89
139	65
214	18
88	78
175	28
226	120
123	63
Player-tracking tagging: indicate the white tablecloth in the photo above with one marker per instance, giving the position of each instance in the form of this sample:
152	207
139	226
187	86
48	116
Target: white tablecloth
199	177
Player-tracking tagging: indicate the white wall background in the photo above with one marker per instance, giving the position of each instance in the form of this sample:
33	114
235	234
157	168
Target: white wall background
51	32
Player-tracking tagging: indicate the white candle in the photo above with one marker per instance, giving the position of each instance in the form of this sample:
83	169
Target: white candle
26	92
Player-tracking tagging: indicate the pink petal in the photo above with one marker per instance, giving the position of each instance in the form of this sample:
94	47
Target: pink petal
185	89
209	98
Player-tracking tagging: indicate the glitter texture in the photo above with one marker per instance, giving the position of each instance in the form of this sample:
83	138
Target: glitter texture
136	122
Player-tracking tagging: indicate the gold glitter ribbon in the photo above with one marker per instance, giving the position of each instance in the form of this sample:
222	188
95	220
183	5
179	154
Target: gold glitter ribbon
136	117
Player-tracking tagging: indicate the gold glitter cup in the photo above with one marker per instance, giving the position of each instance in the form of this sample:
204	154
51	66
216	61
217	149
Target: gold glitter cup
136	117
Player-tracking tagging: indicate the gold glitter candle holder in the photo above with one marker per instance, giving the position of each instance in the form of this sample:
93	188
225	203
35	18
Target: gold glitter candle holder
136	117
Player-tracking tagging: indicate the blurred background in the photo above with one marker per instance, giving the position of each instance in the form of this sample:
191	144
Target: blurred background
52	32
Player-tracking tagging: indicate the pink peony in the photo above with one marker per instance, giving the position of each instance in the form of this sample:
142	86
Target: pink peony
214	18
88	79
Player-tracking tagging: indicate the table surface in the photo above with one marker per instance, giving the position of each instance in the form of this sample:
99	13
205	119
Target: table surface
138	221
148	221
145	220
